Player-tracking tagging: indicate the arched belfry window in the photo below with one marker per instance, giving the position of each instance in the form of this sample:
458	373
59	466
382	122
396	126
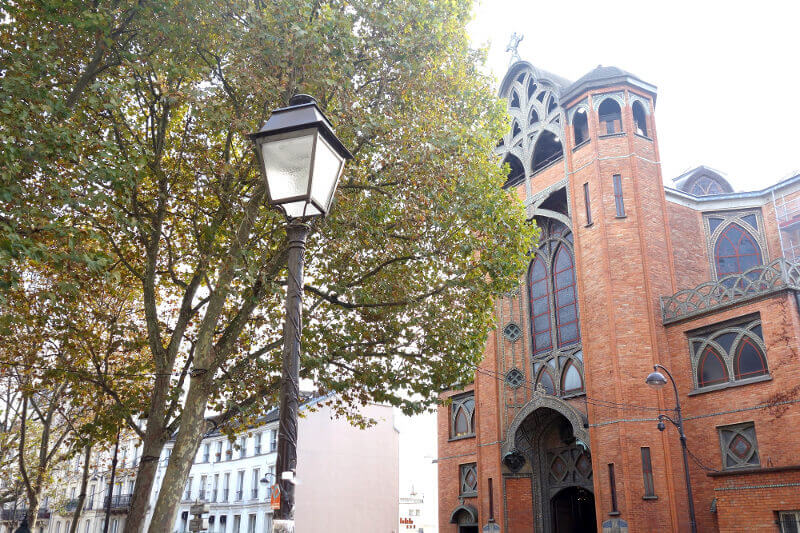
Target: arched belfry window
736	251
610	116
555	324
580	126
548	150
639	119
516	173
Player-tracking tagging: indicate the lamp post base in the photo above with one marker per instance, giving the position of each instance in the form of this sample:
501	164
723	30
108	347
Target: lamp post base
283	526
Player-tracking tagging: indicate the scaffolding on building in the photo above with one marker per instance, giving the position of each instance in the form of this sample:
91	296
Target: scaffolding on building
787	214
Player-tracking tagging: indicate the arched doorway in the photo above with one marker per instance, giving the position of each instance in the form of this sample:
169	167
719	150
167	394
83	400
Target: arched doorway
466	518
573	511
550	435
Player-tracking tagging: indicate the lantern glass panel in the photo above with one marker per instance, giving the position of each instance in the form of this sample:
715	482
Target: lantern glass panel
287	162
327	168
300	209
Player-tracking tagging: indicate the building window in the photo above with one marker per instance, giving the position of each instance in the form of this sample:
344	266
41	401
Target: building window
728	352
573	383
739	446
206	452
240	486
736	251
612	483
647	474
188	493
462	416
619	202
639	119
610	116
705	186
273	440
257	444
468	474
580	126
548	150
219	451
243	446
587	203
789	521
254	487
555	323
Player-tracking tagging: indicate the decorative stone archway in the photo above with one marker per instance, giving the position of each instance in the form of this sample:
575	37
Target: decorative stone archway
552	437
539	401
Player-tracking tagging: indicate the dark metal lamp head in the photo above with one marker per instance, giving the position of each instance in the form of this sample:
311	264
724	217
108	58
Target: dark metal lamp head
300	158
656	380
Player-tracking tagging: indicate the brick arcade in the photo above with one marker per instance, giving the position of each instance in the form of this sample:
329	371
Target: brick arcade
558	431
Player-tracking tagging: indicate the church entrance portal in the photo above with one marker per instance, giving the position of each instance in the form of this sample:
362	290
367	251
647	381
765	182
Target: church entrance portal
562	477
573	511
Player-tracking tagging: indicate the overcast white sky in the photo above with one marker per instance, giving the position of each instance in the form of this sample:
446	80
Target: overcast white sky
727	72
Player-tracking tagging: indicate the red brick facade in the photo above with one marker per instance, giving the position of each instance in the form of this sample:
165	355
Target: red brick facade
534	444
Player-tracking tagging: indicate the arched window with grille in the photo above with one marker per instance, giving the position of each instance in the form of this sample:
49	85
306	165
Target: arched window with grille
729	353
554	313
736	251
462	416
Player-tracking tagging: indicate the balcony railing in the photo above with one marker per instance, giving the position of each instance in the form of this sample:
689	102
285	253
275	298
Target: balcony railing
224	495
71	505
239	495
120	501
254	494
19	514
755	283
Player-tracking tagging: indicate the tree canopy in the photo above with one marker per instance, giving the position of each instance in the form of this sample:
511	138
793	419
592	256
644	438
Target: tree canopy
126	158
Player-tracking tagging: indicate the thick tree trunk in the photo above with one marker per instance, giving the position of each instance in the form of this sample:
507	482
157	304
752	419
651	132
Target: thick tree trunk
191	430
152	444
76	516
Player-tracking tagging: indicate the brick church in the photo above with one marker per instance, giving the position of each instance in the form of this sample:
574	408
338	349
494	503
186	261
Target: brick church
559	431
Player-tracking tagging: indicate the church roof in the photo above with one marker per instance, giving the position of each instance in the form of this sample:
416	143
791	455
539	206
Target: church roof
602	76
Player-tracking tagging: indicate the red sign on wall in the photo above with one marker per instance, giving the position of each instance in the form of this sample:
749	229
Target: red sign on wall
275	497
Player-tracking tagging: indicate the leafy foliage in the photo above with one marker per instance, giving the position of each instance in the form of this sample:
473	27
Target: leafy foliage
125	125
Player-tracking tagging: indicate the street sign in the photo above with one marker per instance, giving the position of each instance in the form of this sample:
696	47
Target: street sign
198	524
199	508
275	497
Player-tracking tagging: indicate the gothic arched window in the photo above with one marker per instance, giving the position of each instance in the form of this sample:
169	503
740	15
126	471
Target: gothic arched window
462	416
555	323
711	369
749	360
736	251
705	186
572	382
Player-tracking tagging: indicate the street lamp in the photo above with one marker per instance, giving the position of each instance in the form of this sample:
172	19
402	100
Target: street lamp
301	160
657	380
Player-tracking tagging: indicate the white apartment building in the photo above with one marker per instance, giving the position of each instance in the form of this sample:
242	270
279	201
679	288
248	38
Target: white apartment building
347	479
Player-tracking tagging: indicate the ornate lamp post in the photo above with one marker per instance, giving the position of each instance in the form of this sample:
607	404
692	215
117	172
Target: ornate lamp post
657	380
301	160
